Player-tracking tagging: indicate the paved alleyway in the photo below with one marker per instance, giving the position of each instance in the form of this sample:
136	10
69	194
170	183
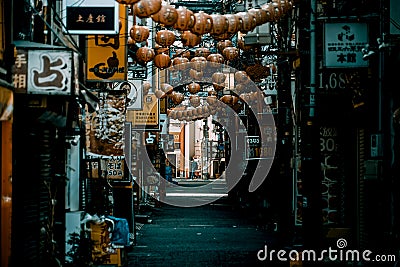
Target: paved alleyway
210	235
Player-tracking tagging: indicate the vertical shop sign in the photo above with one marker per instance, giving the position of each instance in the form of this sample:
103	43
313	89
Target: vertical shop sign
91	16
148	117
107	54
343	45
49	72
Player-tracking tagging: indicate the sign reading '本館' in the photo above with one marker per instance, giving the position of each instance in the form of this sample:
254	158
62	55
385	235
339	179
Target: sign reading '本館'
343	44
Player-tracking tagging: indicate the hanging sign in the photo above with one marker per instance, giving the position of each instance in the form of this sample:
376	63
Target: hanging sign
90	16
343	45
107	54
45	72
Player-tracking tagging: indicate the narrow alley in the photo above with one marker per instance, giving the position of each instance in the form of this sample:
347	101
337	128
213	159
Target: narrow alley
211	235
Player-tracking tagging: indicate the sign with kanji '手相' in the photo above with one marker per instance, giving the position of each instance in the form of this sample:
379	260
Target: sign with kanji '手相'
42	71
344	43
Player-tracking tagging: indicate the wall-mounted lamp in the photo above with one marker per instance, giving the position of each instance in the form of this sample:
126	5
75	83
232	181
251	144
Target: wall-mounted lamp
367	52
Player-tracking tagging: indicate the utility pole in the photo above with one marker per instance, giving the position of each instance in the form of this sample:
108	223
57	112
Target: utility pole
312	214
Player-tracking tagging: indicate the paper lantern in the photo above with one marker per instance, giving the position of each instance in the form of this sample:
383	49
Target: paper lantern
139	33
146	8
165	38
219	25
185	19
230	53
203	23
145	54
167	15
162	61
190	39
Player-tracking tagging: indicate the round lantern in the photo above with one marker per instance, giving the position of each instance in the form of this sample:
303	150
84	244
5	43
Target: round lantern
165	38
159	49
221	45
230	53
260	15
241	77
248	21
162	61
146	87
212	99
215	60
198	63
218	86
218	77
185	20
194	88
180	63
190	39
160	94
139	33
182	53
166	88
242	45
167	15
203	23
194	100
144	9
127	2
177	97
219	24
197	75
202	52
145	54
227	99
233	23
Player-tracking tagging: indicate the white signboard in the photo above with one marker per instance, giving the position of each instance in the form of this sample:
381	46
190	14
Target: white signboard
343	44
49	72
134	92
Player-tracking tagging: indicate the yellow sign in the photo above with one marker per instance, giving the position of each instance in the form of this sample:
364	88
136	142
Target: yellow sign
149	116
107	54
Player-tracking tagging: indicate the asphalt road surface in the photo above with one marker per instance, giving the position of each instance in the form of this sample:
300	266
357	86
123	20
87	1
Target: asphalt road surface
215	234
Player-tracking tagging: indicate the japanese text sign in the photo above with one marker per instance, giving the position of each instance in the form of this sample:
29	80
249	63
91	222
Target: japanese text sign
107	54
343	44
91	16
46	72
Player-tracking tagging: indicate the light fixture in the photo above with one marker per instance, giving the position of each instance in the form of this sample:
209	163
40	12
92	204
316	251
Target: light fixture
383	42
367	52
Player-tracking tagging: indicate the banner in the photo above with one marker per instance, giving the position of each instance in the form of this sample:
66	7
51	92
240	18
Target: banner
107	54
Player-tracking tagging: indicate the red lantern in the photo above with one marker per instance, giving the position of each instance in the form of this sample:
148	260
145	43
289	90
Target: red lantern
166	88
220	24
198	63
145	54
202	52
215	60
182	53
165	38
194	88
190	39
260	15
185	20
230	53
194	100
167	15
218	77
196	75
162	61
221	45
233	23
127	2
139	33
180	63
203	23
248	21
144	9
